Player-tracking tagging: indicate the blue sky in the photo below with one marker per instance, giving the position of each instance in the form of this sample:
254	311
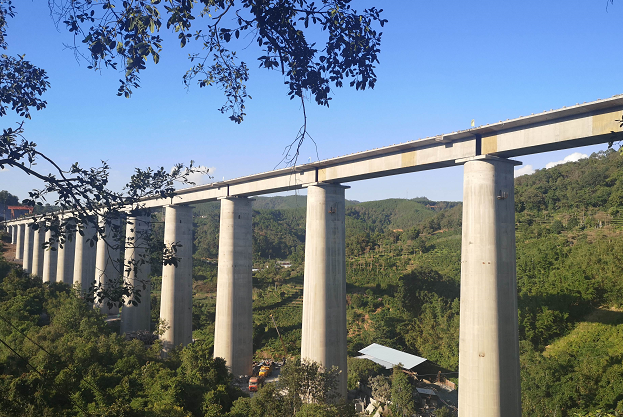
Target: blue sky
442	64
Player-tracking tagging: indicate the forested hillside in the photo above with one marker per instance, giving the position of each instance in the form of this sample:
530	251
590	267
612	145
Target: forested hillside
403	277
403	286
403	261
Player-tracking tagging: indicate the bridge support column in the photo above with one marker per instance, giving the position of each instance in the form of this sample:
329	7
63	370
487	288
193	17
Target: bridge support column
37	251
324	291
108	266
489	337
28	248
84	258
14	234
66	256
233	337
137	317
49	259
19	243
176	300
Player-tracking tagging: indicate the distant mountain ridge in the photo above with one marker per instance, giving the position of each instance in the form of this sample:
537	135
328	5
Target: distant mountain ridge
286	202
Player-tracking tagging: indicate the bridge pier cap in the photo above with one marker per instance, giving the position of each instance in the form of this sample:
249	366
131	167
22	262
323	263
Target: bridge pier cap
489	337
489	158
325	184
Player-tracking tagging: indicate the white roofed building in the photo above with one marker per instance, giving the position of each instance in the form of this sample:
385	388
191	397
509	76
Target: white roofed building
388	357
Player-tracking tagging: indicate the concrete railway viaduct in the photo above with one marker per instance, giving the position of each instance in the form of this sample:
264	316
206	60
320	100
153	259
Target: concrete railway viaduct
489	344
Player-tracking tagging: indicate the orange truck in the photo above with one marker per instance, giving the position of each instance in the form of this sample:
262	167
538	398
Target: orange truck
267	369
255	382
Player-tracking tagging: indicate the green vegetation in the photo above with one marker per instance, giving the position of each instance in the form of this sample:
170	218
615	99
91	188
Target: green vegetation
403	277
8	199
60	358
578	372
402	394
403	285
304	389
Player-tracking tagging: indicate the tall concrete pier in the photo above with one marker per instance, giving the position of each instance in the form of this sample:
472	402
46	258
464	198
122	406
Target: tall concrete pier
84	259
14	234
19	242
49	259
38	251
489	338
324	290
176	299
65	260
108	266
233	337
28	247
136	271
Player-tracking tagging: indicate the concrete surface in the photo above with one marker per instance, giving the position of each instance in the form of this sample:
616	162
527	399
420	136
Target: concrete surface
38	251
19	242
176	296
65	259
489	383
108	266
569	127
49	260
84	259
233	337
136	272
28	248
324	289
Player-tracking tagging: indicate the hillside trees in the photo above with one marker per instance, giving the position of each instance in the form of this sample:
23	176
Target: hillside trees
65	360
595	182
582	371
8	199
304	388
401	394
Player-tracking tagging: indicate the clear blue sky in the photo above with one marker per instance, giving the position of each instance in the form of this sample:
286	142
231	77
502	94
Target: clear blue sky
442	65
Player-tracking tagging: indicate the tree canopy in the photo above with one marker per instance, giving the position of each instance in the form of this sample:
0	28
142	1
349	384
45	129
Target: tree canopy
125	35
8	199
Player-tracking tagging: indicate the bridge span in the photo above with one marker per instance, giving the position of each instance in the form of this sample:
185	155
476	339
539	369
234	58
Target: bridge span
488	342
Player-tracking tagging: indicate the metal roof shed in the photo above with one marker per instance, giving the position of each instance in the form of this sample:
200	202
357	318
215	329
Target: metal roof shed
388	357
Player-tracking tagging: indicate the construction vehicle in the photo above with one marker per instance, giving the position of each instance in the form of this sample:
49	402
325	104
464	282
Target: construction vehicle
255	382
267	369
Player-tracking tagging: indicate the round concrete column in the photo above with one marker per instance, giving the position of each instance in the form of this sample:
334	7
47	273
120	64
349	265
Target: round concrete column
14	234
28	248
108	266
38	251
136	271
19	245
233	335
324	290
84	258
66	254
49	259
489	337
176	303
